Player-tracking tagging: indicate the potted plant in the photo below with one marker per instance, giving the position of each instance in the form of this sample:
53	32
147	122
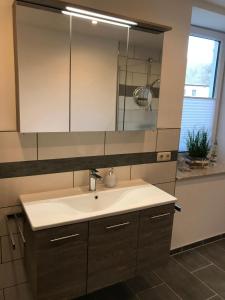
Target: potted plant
198	148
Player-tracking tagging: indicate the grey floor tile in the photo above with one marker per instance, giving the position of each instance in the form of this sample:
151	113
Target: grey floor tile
161	292
116	292
152	279
137	284
221	243
141	283
182	282
214	253
12	273
216	298
8	253
18	292
191	260
213	277
1	295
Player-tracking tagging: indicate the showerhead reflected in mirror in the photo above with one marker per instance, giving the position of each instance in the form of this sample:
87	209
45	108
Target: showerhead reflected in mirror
140	73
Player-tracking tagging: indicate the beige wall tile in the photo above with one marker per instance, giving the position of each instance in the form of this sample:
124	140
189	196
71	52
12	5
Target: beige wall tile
17	147
12	225
130	142
7	77
168	139
61	145
11	188
168	187
12	273
81	177
155	173
139	79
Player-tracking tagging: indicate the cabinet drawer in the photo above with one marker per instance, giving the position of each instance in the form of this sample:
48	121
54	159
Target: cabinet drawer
112	250
55	237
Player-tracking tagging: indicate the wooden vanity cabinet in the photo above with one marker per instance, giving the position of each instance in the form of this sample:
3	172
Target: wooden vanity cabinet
56	261
70	261
112	250
154	241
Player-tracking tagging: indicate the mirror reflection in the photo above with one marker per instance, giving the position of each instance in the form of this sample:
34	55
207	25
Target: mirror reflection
140	71
94	64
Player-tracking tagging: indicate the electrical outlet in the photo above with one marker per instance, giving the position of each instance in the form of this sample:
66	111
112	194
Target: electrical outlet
163	156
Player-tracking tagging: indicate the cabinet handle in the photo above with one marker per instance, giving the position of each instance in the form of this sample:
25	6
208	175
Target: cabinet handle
160	216
118	225
64	238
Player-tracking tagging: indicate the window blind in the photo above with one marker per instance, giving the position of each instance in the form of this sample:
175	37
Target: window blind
197	114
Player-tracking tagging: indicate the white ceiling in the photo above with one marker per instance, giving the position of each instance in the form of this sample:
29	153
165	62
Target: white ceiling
208	19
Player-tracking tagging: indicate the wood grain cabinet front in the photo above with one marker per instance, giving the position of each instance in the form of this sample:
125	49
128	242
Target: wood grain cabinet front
56	261
112	250
70	261
155	232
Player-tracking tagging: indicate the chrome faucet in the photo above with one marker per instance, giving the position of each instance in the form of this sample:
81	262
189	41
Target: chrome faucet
93	177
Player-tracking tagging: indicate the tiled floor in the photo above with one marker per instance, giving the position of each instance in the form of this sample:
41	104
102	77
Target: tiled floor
196	274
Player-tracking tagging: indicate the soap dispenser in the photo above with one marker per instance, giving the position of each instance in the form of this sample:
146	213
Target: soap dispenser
110	179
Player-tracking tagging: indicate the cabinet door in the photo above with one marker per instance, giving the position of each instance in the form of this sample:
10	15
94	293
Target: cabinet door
154	237
94	70
62	262
43	65
112	250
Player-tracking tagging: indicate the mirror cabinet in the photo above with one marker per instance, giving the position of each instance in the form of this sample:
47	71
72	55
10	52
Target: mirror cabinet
80	74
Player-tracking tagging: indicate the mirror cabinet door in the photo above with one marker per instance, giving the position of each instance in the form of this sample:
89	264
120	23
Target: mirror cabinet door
139	90
43	65
94	74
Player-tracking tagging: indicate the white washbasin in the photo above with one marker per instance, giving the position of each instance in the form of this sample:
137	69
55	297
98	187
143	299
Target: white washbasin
52	212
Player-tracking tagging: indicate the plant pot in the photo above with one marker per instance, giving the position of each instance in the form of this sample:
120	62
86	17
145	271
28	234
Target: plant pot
197	162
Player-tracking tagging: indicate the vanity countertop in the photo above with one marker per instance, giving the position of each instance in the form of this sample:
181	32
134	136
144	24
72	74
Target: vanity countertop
62	207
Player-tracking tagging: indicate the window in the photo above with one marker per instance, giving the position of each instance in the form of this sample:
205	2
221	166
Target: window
200	91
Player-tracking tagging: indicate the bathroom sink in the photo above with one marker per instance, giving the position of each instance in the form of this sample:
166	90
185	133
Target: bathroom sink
51	212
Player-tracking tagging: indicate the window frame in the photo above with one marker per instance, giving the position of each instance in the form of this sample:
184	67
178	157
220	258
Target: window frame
219	79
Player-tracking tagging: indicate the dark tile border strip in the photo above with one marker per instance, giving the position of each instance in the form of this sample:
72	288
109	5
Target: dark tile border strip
197	244
128	90
38	167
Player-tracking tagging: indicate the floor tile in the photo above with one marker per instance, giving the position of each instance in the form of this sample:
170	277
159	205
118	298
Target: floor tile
182	282
152	279
138	284
214	253
142	282
191	260
216	298
116	292
221	243
1	295
160	292
18	292
8	253
12	273
213	277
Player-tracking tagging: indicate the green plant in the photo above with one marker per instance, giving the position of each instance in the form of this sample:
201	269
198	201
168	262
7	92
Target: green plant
198	144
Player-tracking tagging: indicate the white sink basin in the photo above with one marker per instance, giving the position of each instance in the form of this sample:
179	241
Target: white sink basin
82	207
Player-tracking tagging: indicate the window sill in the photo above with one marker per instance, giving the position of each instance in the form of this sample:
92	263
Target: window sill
218	169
